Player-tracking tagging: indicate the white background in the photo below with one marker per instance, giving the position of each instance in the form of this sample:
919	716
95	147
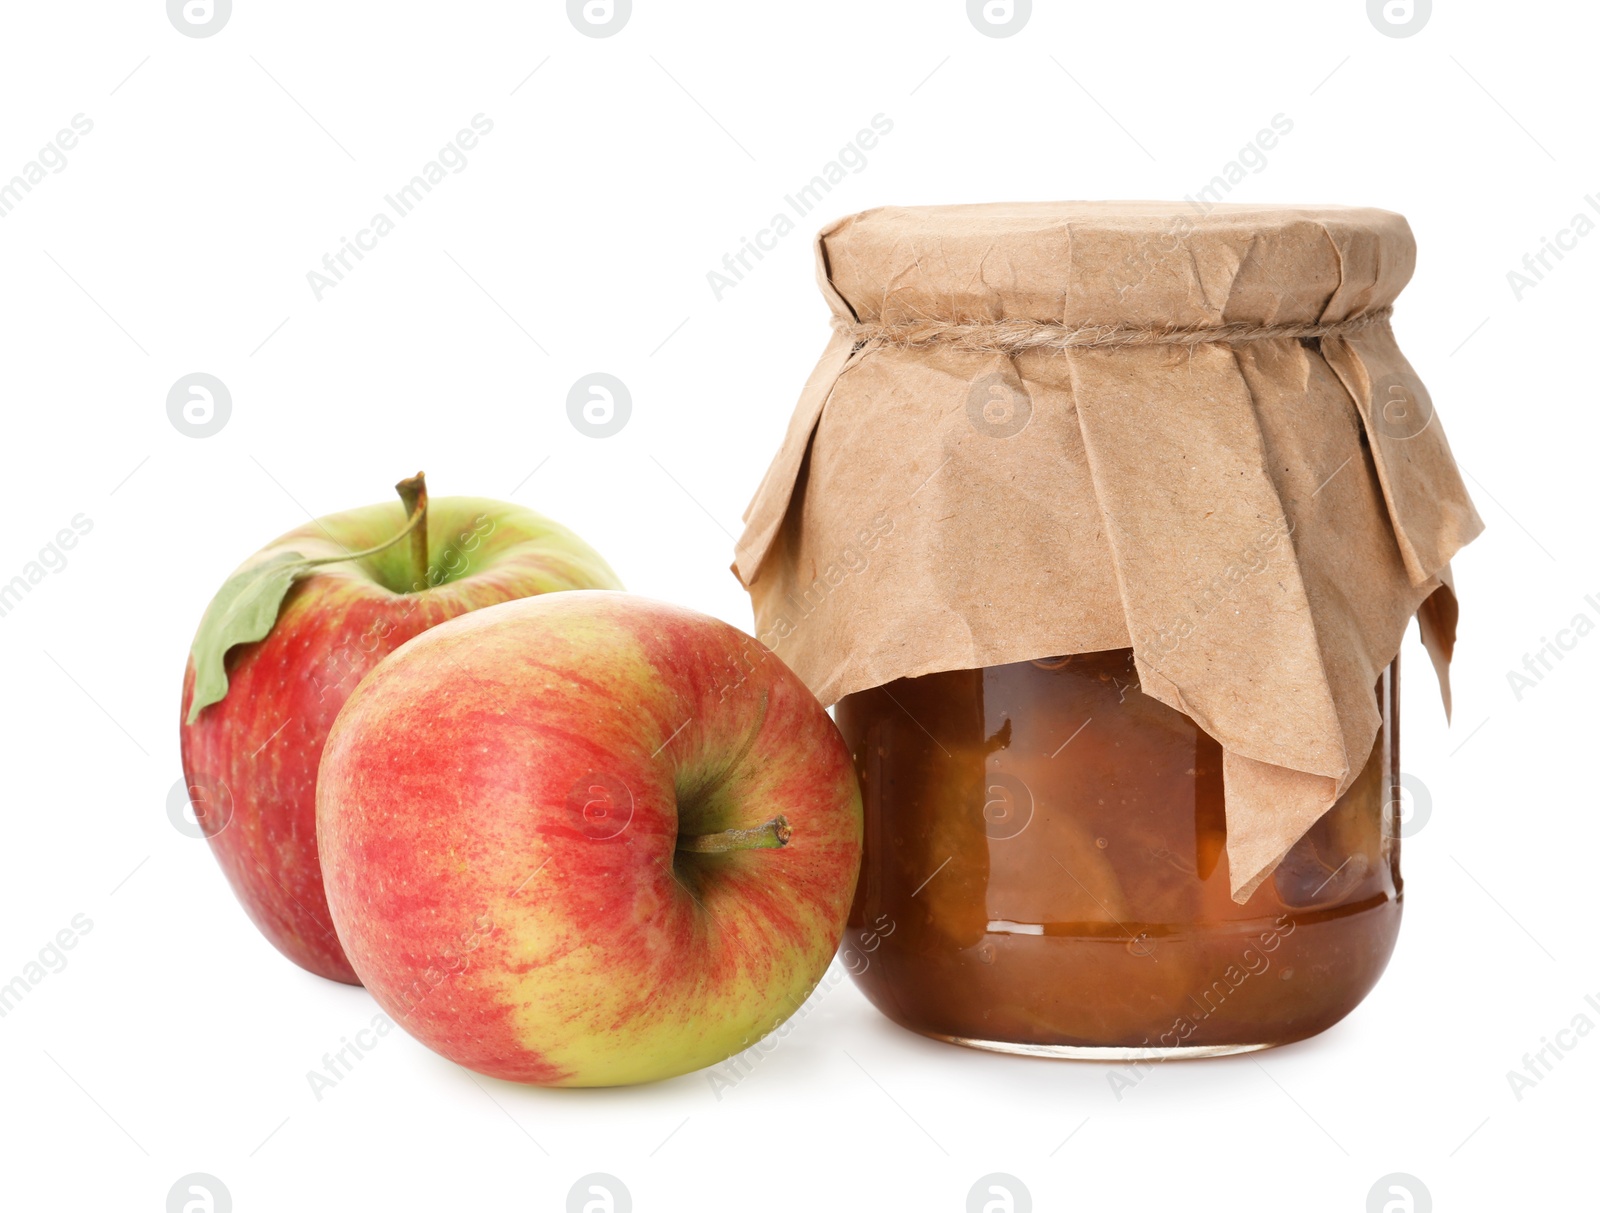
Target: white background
178	239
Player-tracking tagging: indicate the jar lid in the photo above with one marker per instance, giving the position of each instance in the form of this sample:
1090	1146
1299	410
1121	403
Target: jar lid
1135	264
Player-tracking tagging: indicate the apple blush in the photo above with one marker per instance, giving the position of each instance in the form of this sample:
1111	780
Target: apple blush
587	839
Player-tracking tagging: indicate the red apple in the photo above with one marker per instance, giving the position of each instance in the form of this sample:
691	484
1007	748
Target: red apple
587	839
250	760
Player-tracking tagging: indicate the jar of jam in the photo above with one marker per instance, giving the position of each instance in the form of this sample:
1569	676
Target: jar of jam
1101	525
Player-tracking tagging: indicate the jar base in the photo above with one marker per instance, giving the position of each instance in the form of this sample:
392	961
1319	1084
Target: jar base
1100	1052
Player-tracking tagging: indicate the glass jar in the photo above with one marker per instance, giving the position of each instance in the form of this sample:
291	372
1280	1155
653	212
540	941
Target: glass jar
1186	449
1045	871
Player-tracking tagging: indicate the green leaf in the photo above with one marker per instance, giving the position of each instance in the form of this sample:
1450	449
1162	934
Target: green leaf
243	611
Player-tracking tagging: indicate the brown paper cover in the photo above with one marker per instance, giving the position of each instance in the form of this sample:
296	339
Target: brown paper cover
1259	519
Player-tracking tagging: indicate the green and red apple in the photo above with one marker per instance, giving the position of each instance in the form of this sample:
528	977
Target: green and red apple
587	839
315	621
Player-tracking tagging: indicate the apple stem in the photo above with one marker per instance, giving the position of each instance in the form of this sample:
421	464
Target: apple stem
774	833
414	496
416	520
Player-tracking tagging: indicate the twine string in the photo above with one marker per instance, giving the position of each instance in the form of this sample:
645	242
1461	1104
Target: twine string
1017	336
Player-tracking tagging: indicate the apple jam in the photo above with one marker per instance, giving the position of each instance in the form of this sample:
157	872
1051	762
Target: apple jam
1045	871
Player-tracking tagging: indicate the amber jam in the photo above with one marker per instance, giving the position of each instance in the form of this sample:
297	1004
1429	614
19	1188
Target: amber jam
1045	872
